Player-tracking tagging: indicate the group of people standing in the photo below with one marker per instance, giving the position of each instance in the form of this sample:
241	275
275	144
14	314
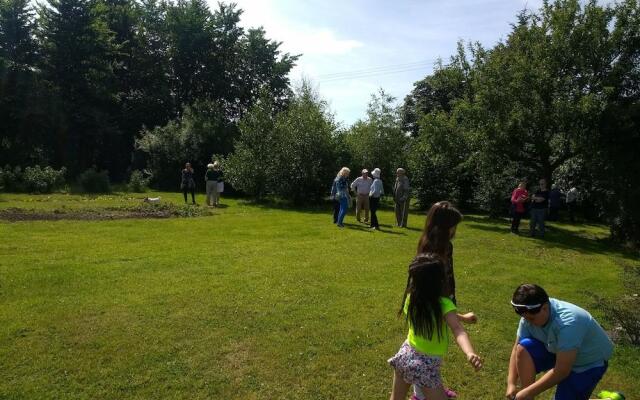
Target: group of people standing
214	183
542	205
553	335
368	191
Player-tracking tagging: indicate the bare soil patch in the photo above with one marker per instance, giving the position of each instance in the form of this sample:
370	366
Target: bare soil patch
109	213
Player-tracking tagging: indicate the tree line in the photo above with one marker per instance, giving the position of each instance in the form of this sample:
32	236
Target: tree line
126	85
559	99
80	79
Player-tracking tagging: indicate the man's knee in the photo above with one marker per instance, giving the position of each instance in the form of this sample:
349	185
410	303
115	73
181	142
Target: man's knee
522	352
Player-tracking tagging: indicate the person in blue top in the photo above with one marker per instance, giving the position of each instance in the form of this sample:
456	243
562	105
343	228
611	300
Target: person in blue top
560	338
342	194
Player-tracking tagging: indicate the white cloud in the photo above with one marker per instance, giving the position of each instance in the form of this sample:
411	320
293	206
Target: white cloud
296	38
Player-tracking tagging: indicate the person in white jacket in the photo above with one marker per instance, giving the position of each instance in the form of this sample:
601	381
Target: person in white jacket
375	193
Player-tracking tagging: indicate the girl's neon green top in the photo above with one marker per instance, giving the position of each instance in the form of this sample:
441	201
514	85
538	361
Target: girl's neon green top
434	346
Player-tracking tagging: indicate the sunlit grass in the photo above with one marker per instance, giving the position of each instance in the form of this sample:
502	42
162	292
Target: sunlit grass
259	303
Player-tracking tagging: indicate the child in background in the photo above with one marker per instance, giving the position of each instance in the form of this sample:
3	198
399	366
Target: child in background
439	230
431	316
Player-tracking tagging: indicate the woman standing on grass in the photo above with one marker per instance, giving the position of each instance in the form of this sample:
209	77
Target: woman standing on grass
430	315
188	184
342	194
519	196
439	230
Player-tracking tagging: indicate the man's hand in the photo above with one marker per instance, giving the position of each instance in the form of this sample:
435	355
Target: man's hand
511	391
523	395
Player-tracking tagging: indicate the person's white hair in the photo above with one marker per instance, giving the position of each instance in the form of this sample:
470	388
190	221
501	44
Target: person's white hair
210	166
344	171
401	171
376	173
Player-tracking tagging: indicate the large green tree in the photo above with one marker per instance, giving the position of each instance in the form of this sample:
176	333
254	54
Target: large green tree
78	52
25	107
379	141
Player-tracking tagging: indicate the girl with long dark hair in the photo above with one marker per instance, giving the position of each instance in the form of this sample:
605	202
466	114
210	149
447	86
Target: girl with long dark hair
430	315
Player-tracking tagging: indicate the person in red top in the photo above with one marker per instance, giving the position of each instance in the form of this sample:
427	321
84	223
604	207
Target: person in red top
518	200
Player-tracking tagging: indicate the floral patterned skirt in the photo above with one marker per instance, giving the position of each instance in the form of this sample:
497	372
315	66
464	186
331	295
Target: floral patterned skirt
417	368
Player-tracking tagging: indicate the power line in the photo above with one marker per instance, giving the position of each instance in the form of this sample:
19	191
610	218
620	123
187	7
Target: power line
377	69
371	74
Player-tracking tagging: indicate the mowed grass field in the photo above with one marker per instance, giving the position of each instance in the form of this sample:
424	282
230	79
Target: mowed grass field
255	302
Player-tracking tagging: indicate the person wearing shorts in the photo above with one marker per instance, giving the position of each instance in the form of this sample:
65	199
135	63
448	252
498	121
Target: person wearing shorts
557	337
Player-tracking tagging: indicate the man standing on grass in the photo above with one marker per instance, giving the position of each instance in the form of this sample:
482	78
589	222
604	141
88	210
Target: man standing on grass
560	338
401	197
539	206
361	186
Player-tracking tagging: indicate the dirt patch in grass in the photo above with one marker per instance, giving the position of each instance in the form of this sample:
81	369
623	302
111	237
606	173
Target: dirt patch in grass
108	213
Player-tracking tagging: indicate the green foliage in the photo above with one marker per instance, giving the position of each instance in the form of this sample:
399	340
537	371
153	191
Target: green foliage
32	179
440	161
11	179
304	152
440	91
249	167
192	138
379	141
94	181
290	154
623	310
43	180
81	78
557	99
25	101
138	183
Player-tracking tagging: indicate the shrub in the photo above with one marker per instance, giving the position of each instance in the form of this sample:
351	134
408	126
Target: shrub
11	179
624	311
43	180
94	181
138	183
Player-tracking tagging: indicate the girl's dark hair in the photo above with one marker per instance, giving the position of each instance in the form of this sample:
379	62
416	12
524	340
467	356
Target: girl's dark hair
442	216
530	294
424	288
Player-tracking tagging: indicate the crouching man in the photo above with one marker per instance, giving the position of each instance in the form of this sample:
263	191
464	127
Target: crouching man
557	337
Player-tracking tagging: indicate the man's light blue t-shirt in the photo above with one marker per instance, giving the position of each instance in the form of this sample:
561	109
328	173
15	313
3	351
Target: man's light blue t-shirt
571	328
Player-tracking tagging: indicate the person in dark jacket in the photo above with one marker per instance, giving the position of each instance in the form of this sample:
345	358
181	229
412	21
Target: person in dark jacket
555	202
188	184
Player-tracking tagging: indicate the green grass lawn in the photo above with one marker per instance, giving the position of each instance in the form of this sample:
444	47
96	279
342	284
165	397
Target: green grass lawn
254	302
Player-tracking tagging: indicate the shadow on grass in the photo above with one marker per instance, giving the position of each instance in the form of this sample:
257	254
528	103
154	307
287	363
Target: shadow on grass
555	236
367	228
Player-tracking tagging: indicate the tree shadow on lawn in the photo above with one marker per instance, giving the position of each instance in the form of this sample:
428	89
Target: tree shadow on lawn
555	237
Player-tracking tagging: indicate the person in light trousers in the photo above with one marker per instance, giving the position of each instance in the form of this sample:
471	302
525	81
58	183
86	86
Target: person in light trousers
361	187
212	178
401	192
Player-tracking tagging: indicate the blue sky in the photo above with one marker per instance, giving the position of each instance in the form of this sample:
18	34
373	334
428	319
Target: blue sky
340	37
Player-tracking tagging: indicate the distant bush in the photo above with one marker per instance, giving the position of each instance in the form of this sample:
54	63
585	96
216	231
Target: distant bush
94	181
624	311
11	179
31	179
43	180
137	182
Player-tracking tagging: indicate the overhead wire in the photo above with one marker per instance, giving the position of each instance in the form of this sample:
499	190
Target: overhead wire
375	71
